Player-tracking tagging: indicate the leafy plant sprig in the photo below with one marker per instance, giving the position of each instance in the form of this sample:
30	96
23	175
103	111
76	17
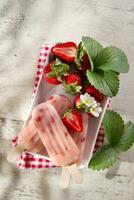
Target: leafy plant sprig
119	136
106	64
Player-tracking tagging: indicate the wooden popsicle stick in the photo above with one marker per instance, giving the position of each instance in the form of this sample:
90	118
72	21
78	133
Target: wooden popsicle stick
75	173
14	153
65	178
65	175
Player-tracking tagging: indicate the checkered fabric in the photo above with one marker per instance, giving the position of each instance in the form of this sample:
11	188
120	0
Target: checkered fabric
44	52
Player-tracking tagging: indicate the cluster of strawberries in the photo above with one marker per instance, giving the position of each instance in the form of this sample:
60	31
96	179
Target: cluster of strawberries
69	68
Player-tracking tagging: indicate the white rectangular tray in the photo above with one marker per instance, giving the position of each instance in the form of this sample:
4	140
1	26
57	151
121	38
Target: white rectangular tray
44	90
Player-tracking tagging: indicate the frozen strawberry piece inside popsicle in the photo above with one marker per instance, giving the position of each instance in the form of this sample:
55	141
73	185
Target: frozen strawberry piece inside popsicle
54	135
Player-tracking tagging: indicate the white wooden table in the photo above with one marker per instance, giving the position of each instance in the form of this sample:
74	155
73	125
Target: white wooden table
24	26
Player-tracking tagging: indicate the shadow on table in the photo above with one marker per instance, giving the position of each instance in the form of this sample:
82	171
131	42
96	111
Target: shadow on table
124	157
17	96
45	190
46	184
9	171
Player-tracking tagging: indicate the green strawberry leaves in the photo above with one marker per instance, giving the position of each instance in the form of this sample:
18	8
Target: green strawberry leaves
106	82
127	139
104	158
119	135
106	63
92	47
113	127
72	88
59	69
112	58
119	138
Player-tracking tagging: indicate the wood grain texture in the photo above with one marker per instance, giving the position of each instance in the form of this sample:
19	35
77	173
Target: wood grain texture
24	26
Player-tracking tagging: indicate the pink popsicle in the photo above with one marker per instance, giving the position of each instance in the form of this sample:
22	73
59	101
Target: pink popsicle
80	138
28	136
60	102
54	135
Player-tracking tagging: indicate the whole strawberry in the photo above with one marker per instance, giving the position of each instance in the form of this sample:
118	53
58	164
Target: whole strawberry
72	120
65	51
54	72
94	92
73	82
47	76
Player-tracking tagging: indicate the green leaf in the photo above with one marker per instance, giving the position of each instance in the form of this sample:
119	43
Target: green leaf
104	158
127	139
112	58
92	47
113	127
120	137
106	82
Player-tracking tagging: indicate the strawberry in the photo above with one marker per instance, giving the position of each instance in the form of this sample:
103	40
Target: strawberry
51	80
72	83
85	63
72	120
65	51
54	71
81	59
73	77
76	101
94	92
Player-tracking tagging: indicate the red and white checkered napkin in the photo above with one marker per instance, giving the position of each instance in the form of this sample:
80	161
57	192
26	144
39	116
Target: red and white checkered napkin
32	161
43	57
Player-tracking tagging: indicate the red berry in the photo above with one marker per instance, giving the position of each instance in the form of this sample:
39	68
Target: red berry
65	51
72	84
76	100
52	80
85	63
94	92
73	120
73	77
48	67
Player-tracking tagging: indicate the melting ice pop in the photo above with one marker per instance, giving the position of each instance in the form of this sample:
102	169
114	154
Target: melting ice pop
80	139
28	137
54	135
60	102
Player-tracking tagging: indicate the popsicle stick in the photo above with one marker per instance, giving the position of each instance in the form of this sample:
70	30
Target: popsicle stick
14	153
65	178
75	173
